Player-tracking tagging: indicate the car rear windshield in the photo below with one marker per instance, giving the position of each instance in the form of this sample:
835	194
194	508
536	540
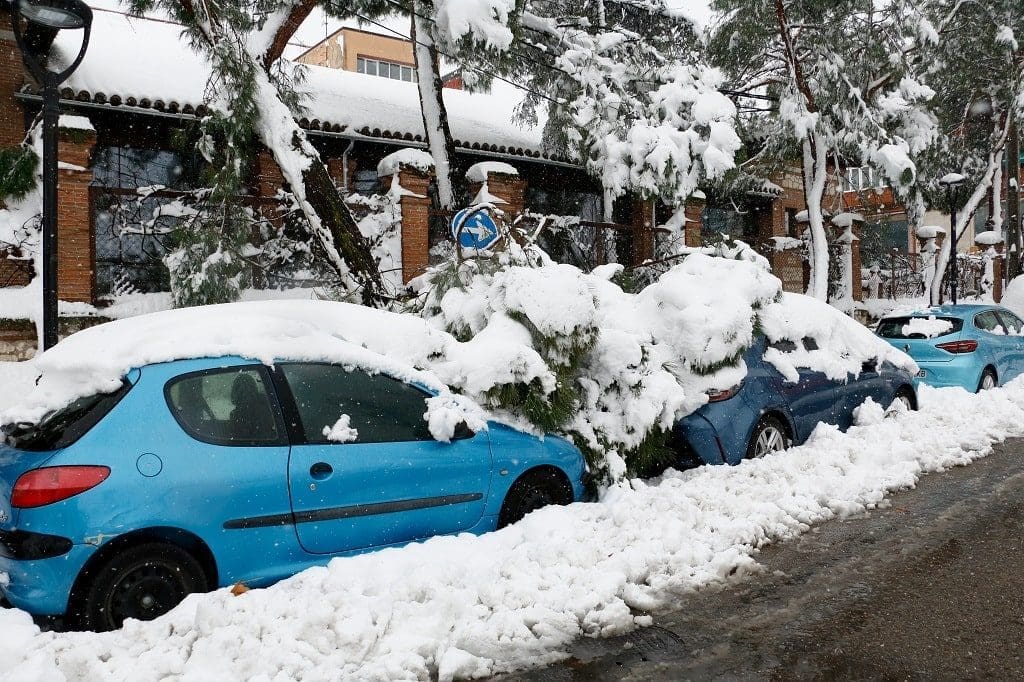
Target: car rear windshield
63	427
892	327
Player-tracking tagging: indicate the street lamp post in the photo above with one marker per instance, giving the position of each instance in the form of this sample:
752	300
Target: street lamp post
952	182
49	17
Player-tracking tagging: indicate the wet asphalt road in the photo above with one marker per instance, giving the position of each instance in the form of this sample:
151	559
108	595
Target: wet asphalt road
931	588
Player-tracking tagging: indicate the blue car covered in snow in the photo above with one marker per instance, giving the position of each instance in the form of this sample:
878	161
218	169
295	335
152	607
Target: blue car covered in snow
973	346
199	473
768	412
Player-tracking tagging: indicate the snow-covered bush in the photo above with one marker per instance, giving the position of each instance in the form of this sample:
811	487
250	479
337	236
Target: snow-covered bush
552	348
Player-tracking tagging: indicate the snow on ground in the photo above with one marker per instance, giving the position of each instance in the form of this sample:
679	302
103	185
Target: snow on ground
467	606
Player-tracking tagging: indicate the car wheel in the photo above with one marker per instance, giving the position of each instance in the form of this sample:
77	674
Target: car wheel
142	582
769	436
904	396
532	491
988	380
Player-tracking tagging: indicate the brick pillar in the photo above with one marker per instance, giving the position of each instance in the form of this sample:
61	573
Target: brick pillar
12	116
76	276
786	264
415	222
694	227
269	180
643	230
511	189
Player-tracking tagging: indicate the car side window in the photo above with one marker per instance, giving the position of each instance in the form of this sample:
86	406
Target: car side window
987	321
783	345
379	409
1011	322
229	406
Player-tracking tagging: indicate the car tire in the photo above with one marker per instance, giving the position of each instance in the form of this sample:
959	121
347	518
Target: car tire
904	395
769	435
142	582
988	380
533	490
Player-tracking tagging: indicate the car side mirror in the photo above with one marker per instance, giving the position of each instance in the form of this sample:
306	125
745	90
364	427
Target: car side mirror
462	431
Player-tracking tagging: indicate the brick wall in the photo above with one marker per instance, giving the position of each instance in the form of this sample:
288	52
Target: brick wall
75	244
415	223
12	117
643	232
14	271
694	222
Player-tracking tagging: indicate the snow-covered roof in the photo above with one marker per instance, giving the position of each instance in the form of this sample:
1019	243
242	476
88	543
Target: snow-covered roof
145	63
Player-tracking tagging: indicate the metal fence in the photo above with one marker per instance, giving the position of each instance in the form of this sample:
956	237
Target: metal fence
903	275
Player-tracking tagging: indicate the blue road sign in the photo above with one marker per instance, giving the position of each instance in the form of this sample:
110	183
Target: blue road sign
479	231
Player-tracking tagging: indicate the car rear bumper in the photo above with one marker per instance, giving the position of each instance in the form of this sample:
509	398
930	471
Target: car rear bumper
695	435
963	371
42	586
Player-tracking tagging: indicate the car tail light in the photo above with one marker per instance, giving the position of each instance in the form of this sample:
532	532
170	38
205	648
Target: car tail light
44	486
716	396
968	346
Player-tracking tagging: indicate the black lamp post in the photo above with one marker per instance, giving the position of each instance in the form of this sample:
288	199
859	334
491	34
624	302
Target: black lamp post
952	183
46	18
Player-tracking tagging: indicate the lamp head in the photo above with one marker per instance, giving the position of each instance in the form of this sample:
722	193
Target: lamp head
56	14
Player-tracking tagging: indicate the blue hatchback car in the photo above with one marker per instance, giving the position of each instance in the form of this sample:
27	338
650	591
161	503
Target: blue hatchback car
201	473
767	413
973	346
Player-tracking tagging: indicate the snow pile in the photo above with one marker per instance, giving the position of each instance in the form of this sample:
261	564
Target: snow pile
988	238
927	327
1013	297
478	172
843	344
341	431
415	158
465	606
94	360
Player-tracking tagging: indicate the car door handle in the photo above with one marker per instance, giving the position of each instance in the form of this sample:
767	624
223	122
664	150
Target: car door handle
321	470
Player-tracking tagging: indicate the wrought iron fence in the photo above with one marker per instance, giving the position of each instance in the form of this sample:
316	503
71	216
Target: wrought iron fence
902	275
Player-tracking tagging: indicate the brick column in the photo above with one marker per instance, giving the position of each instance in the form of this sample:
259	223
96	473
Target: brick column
694	227
12	116
855	262
511	189
415	222
269	180
786	264
76	276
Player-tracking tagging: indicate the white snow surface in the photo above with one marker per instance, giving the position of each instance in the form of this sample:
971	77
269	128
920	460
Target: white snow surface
988	238
353	99
469	606
930	231
478	172
1013	297
393	162
929	327
341	431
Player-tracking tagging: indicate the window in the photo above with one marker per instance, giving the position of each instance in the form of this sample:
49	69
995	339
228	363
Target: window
384	69
61	428
132	199
366	182
987	321
226	407
1013	324
863	178
380	409
892	327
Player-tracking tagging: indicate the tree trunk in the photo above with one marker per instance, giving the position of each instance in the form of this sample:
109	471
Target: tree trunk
815	175
1013	213
435	115
329	217
965	213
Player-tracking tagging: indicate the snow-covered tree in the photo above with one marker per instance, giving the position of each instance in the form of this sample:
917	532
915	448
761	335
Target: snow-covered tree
844	74
627	93
976	65
255	93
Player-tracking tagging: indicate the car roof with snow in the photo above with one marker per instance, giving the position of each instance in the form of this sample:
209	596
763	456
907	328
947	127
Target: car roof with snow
95	360
946	309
